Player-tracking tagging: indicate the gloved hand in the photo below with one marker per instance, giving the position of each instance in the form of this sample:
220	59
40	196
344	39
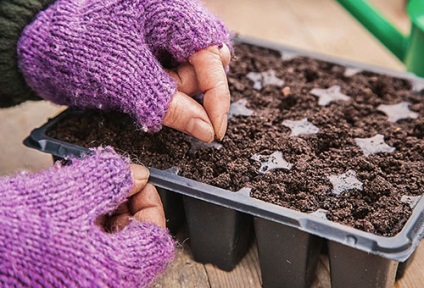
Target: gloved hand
108	55
50	236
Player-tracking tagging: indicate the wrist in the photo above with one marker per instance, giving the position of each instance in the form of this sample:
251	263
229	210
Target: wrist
15	16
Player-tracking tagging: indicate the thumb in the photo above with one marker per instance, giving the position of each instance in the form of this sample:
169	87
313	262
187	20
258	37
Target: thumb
146	206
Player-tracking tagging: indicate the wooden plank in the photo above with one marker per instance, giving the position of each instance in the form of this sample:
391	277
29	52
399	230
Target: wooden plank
319	25
395	12
245	274
183	271
337	33
270	20
414	276
322	275
15	125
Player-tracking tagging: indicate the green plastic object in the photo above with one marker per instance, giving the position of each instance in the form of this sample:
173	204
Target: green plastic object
407	48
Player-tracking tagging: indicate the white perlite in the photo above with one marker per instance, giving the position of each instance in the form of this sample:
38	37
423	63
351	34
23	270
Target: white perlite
374	145
262	79
196	144
320	213
351	71
345	182
397	111
326	96
412	201
300	127
239	108
418	85
271	162
289	55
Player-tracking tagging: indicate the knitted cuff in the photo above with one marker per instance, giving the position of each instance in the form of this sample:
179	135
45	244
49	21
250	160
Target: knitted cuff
181	28
93	186
14	16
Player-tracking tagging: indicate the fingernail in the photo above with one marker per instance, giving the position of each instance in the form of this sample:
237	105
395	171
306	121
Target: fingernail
223	127
140	173
200	129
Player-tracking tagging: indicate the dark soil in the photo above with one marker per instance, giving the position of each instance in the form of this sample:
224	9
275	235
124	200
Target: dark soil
386	177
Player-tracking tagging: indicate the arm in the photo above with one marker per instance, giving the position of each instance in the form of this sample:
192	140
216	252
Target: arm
14	16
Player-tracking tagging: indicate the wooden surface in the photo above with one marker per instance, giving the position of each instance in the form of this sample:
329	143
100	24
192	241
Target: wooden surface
184	272
317	25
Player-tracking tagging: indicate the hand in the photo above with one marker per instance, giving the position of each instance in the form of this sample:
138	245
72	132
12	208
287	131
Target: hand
50	234
143	204
91	54
205	73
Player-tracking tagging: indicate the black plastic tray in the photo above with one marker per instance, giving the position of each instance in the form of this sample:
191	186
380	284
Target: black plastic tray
220	223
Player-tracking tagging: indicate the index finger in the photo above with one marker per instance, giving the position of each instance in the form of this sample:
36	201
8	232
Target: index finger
209	67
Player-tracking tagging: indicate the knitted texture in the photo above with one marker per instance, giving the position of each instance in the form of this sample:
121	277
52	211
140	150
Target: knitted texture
107	54
49	236
14	16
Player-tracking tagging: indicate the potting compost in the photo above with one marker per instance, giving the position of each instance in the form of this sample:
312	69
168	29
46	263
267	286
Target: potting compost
303	133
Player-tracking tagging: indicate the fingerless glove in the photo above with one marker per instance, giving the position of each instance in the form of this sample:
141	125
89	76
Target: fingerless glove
107	54
49	236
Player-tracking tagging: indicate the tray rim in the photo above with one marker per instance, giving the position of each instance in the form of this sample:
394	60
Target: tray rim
398	248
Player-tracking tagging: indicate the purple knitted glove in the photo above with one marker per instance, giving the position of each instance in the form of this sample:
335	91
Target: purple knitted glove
49	238
106	53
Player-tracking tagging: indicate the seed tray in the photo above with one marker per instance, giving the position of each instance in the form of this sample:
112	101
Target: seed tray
222	224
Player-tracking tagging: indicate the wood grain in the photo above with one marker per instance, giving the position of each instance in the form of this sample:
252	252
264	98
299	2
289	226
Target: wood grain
319	25
185	273
246	273
414	276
